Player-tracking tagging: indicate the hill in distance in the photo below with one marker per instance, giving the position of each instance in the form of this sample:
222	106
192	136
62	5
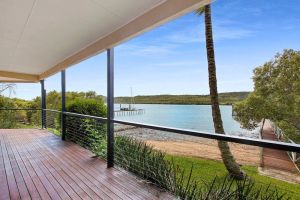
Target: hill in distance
226	98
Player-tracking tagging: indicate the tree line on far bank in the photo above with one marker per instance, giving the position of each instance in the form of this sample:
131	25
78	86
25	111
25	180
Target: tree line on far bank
53	99
227	98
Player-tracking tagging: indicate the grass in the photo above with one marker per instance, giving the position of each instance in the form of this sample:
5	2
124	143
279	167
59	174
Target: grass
25	126
190	178
55	131
206	170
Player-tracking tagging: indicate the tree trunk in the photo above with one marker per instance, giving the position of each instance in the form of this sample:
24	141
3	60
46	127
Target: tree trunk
228	159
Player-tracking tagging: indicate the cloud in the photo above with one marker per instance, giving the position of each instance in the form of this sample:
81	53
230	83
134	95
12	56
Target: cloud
168	40
222	30
178	64
147	50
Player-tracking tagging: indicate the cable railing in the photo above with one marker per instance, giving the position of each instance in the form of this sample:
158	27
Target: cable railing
201	154
144	149
54	122
87	131
20	118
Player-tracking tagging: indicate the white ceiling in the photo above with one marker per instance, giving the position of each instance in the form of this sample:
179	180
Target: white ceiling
37	34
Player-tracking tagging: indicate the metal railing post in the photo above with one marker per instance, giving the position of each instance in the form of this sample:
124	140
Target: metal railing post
43	104
110	107
63	104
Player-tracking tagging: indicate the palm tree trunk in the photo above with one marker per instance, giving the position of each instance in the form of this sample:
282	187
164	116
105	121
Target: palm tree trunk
227	157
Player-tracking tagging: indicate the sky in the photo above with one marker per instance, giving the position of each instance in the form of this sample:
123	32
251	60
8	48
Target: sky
171	59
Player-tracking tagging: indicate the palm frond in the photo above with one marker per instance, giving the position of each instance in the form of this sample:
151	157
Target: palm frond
200	11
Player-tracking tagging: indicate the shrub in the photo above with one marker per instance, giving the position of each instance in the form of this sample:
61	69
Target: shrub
87	107
144	161
231	189
8	119
96	137
87	132
152	165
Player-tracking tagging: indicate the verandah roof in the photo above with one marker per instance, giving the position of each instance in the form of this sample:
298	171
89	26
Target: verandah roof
39	38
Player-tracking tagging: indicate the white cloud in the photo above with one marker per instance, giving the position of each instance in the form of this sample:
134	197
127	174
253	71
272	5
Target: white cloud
179	64
146	50
222	30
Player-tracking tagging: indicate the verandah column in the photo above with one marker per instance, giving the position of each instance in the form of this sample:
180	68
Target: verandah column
63	104
43	104
110	107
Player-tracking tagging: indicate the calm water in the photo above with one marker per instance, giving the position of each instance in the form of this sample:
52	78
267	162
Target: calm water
195	117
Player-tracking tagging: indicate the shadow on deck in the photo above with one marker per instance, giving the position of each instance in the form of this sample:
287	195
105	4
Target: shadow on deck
35	164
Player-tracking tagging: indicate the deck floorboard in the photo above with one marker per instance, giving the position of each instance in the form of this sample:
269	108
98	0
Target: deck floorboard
35	164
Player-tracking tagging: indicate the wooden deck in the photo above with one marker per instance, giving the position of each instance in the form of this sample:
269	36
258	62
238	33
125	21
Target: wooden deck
272	158
35	164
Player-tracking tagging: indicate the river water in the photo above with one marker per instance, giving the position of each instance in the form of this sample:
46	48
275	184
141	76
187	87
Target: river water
194	117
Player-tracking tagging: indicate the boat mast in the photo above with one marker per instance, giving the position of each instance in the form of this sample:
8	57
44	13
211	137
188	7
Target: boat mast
131	105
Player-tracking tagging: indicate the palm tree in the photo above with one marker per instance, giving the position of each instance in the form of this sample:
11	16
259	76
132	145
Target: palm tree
231	165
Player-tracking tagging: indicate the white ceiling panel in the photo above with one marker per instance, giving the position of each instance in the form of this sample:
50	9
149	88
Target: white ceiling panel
36	35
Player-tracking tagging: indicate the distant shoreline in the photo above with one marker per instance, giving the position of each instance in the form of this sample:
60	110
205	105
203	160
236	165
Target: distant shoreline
206	104
228	98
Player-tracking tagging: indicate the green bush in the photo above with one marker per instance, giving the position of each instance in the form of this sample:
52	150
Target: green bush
153	166
87	107
33	116
144	161
8	119
228	188
87	132
96	138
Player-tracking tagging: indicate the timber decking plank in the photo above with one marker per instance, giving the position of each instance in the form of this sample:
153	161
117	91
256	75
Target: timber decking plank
41	169
34	194
39	165
60	179
12	185
131	183
115	181
17	172
89	172
77	188
117	174
34	177
4	190
73	174
94	184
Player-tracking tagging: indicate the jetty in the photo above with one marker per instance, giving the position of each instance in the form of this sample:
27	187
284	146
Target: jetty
277	163
124	112
129	109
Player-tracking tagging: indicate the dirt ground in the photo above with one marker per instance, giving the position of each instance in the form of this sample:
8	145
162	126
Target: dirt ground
245	155
177	144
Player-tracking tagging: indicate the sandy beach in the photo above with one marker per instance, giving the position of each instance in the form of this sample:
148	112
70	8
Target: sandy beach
176	144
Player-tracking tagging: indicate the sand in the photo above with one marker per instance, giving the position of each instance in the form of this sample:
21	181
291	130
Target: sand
182	145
